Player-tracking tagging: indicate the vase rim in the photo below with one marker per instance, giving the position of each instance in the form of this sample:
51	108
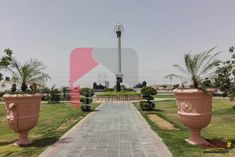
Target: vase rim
193	90
22	95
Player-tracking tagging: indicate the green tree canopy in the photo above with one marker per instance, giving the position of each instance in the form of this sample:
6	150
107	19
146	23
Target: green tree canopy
5	61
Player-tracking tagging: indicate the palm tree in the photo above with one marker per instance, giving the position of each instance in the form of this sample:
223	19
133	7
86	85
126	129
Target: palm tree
198	68
28	74
65	91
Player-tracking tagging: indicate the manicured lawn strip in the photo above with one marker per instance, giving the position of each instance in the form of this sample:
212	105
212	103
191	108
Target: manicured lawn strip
54	121
221	127
164	96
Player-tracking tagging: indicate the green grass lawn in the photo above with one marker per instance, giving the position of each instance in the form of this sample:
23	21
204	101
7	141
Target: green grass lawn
54	121
222	127
165	96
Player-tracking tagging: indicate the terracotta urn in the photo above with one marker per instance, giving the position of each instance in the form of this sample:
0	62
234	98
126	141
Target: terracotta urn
195	110
22	114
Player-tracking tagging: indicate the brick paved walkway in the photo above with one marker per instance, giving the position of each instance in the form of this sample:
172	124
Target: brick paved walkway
115	130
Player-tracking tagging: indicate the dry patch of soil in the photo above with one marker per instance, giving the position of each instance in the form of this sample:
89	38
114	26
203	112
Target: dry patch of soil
162	123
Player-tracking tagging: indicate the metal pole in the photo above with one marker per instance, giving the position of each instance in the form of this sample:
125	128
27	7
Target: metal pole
119	28
119	56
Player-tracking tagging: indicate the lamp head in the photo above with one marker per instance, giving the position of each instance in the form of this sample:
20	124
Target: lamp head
119	29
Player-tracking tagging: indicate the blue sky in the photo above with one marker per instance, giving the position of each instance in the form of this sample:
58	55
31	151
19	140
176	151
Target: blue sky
161	31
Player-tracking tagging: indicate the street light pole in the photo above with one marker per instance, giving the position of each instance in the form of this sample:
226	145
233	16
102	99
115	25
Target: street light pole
119	29
119	56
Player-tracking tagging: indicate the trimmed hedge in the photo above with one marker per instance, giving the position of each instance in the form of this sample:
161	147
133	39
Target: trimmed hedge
146	106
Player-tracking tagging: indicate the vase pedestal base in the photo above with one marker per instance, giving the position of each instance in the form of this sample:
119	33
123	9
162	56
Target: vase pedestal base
198	142
23	140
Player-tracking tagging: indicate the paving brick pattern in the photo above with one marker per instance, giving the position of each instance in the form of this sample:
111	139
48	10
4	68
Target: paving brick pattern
114	130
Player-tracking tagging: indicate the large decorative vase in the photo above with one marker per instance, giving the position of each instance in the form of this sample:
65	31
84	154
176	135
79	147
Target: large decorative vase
22	114
194	109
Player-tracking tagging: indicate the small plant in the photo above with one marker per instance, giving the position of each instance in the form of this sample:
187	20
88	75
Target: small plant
198	69
87	94
148	93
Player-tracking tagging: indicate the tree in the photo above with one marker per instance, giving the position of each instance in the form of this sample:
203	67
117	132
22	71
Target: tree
197	68
29	73
54	95
144	83
225	79
140	85
100	86
65	91
5	61
94	85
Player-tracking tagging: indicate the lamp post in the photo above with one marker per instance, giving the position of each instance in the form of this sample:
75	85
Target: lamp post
119	29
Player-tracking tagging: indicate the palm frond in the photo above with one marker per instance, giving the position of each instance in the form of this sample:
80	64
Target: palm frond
204	56
210	63
210	67
196	66
30	72
176	76
180	68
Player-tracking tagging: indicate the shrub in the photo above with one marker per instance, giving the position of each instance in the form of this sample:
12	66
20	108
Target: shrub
129	89
148	93
108	89
145	106
86	100
87	94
